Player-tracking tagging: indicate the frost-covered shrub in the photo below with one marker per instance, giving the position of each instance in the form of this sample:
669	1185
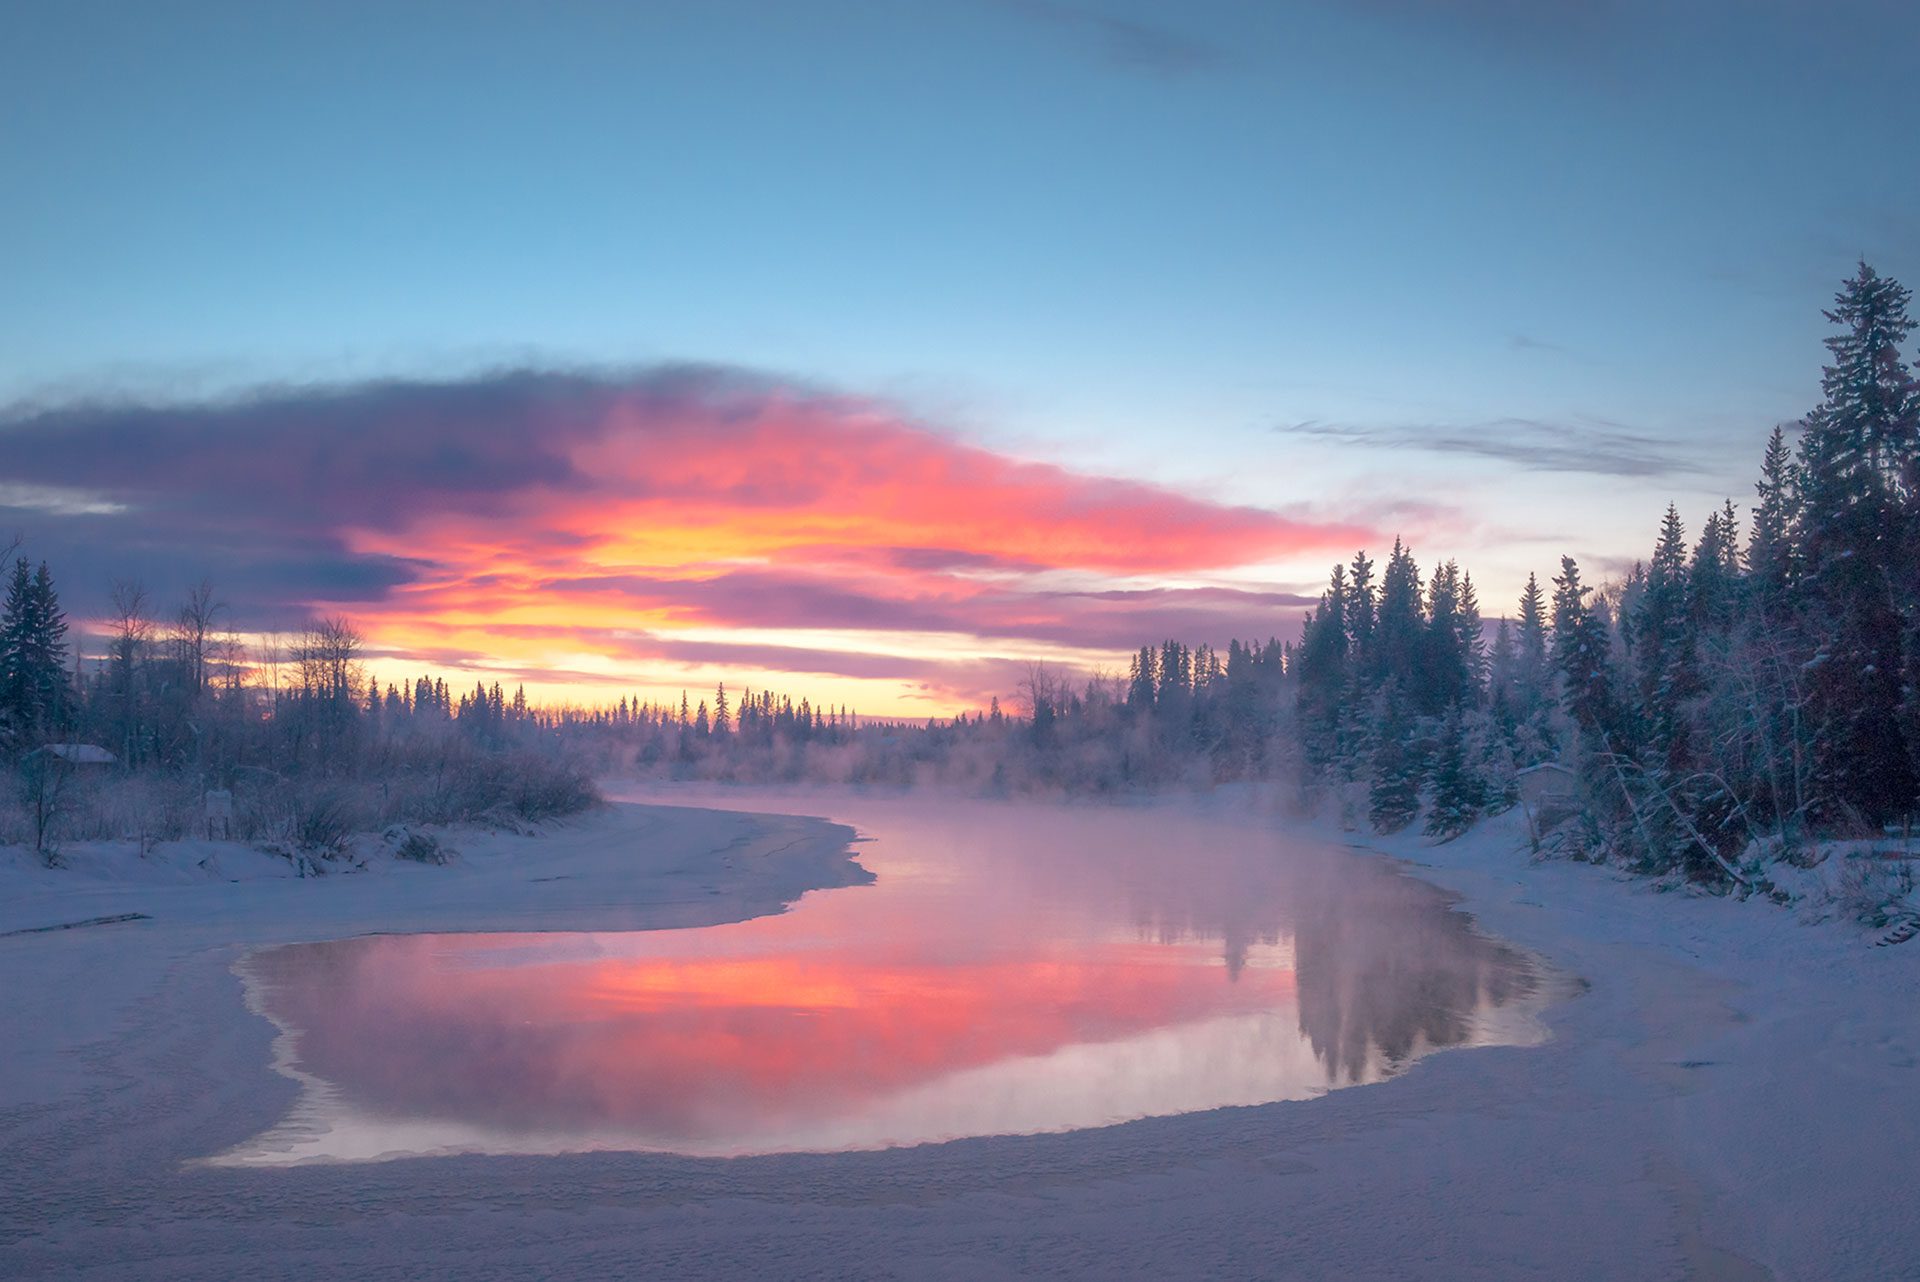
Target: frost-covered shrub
321	822
1872	891
452	782
420	847
538	787
145	808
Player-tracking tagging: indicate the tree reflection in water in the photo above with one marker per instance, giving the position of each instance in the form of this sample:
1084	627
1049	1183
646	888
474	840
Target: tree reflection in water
1013	969
1384	970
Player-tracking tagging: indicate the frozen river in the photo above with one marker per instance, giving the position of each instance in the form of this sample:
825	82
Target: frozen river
1011	970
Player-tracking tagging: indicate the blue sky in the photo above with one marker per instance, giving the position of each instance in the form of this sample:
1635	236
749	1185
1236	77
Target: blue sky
1505	275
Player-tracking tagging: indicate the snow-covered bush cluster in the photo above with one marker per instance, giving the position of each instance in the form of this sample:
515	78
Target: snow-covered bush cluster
301	749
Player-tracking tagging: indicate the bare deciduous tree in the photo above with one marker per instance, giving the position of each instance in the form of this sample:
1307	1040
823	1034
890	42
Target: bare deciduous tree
126	653
273	652
328	659
193	632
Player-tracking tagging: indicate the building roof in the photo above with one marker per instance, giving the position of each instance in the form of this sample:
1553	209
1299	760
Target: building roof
80	754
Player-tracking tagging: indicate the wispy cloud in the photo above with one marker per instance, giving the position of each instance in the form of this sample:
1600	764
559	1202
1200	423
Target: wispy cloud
1537	445
56	500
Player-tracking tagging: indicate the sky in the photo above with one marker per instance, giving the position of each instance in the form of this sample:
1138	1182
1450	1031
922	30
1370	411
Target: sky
874	351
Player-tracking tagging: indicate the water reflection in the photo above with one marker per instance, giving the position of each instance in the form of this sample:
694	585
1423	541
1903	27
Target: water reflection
1014	969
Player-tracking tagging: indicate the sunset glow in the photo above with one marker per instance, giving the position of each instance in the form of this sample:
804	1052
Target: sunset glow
594	538
962	639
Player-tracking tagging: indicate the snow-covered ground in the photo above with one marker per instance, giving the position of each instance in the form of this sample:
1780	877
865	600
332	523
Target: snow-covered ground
1736	1093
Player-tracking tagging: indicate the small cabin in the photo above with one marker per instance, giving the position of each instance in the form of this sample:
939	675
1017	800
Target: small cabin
76	754
1548	781
1550	794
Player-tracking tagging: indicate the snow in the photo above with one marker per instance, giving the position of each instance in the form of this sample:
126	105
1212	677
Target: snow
1733	1096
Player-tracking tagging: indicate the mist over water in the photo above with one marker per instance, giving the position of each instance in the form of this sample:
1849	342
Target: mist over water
1014	969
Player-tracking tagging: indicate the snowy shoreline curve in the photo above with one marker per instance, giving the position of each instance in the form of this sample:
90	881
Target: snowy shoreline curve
1725	1061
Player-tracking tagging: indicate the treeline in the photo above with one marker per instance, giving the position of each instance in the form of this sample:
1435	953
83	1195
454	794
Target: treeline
1742	690
1737	687
1725	693
307	744
1388	675
1181	716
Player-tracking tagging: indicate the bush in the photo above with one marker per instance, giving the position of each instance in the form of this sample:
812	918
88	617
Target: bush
321	822
540	787
421	848
427	779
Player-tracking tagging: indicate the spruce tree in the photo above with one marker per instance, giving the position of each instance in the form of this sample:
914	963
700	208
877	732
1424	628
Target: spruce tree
1441	676
1322	664
16	703
1532	683
50	651
1142	680
1458	792
1393	796
1360	607
1770	543
1473	641
1664	656
1399	621
1713	577
33	654
1502	671
1854	455
1532	625
1581	652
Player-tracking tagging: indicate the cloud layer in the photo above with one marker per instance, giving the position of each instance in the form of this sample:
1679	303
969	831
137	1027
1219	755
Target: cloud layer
639	528
1595	448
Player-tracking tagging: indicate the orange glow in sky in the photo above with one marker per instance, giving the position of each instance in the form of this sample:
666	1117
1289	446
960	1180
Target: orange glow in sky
819	547
667	530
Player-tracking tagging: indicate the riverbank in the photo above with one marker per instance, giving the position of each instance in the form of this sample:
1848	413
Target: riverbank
115	940
1733	1096
1760	1070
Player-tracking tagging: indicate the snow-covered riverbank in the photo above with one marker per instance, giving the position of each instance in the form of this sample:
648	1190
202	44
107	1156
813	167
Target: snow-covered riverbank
1735	1093
194	906
1754	1077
